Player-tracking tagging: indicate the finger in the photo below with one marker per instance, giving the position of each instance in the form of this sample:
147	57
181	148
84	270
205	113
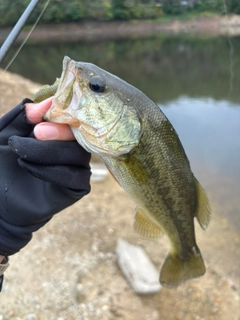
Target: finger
36	111
53	131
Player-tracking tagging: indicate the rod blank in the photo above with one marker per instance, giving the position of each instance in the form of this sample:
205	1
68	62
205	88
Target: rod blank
17	29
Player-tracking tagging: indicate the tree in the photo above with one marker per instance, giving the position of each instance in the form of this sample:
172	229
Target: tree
120	9
233	6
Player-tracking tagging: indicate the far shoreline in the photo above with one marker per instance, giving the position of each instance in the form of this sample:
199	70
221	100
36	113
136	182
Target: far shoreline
94	31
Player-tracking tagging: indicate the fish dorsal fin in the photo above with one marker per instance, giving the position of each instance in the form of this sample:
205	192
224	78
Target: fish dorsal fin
203	213
146	228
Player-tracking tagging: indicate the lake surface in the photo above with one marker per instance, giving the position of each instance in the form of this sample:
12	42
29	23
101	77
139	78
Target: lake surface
196	82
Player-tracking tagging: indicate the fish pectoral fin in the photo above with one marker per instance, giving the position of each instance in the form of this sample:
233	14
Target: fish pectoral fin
146	228
203	213
175	270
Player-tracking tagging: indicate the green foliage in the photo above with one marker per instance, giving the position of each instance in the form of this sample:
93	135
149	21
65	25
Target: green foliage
10	11
120	10
135	9
57	11
209	6
173	7
103	10
233	6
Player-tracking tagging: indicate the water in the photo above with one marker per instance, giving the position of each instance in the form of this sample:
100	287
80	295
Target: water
210	131
189	78
165	68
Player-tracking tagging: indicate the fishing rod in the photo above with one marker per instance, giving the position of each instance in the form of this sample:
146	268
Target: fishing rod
17	29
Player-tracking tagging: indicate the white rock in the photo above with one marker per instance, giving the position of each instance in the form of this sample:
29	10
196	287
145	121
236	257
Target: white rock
31	316
99	172
137	268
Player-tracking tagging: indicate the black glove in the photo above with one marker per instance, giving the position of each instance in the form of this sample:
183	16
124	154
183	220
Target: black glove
37	179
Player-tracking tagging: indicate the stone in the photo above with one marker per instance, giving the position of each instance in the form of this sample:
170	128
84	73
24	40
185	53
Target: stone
99	172
137	268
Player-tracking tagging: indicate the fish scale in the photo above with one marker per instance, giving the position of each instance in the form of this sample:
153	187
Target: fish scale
143	152
155	193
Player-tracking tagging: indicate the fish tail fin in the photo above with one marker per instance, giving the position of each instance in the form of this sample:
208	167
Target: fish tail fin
175	270
203	213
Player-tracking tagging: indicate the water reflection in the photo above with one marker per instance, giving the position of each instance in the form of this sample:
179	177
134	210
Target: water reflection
165	68
209	131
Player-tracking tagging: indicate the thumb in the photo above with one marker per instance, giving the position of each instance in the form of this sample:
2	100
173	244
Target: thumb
36	111
53	131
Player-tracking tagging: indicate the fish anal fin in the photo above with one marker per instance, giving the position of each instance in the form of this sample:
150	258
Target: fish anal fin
203	213
146	228
175	270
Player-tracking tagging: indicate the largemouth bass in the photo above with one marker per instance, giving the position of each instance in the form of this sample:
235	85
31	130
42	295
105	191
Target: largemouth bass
142	150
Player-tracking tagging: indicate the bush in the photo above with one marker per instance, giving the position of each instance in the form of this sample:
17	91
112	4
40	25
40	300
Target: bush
233	6
78	10
209	6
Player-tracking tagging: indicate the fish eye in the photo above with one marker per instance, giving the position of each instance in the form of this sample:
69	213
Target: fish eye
96	84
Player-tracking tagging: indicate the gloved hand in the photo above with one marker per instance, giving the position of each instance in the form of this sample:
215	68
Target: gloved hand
37	179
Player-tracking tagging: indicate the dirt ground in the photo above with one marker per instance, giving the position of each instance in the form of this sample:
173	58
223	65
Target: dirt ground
69	269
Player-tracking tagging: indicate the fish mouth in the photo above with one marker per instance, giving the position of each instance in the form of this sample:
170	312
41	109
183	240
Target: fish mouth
57	116
69	107
67	98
